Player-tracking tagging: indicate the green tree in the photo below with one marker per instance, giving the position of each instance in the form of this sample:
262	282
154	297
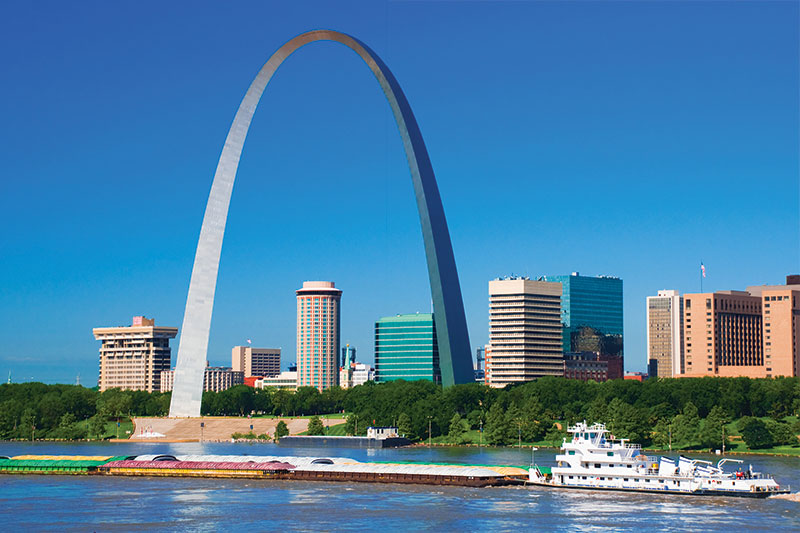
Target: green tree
629	422
685	427
315	426
28	423
350	425
403	425
710	434
755	433
515	422
781	432
661	433
555	436
68	428
456	430
97	425
281	430
498	430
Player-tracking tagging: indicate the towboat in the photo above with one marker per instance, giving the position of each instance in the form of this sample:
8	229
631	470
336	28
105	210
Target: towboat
592	459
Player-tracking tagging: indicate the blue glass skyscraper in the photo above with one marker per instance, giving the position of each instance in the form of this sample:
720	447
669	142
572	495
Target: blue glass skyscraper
592	302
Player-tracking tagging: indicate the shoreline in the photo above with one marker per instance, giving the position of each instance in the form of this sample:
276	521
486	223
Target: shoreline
414	445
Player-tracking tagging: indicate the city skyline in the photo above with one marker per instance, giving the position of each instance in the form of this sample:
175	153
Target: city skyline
669	132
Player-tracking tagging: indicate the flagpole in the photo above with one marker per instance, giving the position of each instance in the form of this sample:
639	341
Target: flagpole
701	276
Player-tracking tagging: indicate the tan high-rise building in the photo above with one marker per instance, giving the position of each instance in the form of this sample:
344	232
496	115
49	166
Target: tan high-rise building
736	333
781	319
261	362
318	304
665	334
525	335
133	357
723	334
781	326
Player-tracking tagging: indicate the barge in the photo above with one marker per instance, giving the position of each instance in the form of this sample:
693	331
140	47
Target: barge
337	469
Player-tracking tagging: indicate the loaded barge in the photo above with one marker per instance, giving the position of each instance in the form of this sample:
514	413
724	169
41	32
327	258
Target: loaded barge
340	469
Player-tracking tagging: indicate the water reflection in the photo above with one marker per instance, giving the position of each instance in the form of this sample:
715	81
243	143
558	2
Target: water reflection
83	503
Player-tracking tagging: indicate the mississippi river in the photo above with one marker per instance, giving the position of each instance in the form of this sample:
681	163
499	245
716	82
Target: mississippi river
94	503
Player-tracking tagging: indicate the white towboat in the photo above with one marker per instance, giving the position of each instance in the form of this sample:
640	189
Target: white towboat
592	459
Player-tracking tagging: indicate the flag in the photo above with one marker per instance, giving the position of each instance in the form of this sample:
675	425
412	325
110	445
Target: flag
251	342
703	268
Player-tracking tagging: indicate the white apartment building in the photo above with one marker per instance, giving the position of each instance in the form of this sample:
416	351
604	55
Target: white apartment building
525	331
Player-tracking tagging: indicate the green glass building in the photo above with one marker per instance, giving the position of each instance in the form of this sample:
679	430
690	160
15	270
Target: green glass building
406	348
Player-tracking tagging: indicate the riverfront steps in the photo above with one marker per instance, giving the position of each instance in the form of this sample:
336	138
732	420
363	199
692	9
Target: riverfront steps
269	467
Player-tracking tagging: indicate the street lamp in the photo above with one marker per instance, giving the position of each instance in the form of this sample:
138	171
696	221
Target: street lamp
480	434
429	430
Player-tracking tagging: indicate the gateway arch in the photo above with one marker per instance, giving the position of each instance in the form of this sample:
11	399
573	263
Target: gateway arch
455	357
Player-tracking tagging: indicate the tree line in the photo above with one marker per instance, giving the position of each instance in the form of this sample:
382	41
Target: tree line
686	412
36	410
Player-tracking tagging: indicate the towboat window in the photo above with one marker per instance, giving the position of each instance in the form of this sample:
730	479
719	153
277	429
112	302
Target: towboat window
597	465
572	452
570	477
626	479
591	435
629	466
610	454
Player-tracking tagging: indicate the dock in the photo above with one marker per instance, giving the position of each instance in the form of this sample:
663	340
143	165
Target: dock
344	442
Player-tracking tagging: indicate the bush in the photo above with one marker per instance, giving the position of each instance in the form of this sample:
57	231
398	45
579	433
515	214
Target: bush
248	436
315	426
281	430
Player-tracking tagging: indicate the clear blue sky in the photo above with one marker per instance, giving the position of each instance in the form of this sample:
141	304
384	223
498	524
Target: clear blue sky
624	138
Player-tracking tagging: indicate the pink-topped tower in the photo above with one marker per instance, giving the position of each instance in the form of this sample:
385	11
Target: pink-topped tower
318	334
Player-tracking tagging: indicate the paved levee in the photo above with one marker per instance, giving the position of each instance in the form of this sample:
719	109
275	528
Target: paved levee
214	428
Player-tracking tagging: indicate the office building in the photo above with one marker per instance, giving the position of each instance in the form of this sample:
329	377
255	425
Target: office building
585	366
525	339
591	312
406	348
723	334
133	357
318	305
487	362
215	379
261	362
480	375
665	334
362	373
284	380
753	333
